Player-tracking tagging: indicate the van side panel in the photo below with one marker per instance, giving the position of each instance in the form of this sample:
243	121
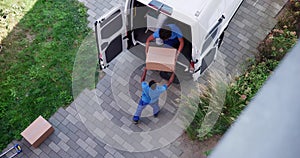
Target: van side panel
231	7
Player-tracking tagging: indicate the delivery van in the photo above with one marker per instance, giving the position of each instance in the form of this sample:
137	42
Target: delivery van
202	23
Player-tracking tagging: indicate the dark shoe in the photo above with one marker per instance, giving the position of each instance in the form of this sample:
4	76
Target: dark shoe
135	122
155	115
135	119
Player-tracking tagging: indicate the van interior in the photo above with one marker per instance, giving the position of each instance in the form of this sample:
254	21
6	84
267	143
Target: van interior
143	18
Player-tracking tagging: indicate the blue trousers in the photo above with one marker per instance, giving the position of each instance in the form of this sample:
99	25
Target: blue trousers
141	107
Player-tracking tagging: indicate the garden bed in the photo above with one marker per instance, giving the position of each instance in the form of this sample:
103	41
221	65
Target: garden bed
242	90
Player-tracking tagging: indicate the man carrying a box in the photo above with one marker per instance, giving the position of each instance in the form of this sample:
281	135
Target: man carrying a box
170	35
150	96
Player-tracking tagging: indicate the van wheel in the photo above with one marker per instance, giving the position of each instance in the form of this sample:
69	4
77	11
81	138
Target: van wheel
220	41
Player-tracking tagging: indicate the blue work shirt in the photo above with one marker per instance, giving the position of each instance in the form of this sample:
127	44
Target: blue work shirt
176	33
151	96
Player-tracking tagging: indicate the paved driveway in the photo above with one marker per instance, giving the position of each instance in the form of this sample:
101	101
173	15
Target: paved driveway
98	122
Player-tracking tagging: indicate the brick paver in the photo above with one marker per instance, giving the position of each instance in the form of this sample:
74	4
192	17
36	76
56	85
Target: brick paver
85	127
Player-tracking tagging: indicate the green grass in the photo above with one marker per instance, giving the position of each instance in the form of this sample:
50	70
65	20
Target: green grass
36	63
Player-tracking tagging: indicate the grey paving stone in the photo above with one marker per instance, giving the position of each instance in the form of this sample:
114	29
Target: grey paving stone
166	152
32	155
91	5
158	154
100	150
116	113
242	37
245	45
118	139
58	117
53	154
63	145
45	148
128	155
53	121
63	137
62	153
118	155
53	138
82	144
73	153
54	147
91	142
110	149
106	99
236	46
26	143
37	151
238	23
81	126
91	151
82	152
72	127
108	115
91	13
62	111
176	150
108	155
126	121
65	122
117	122
72	144
72	119
139	155
100	133
71	110
62	128
81	135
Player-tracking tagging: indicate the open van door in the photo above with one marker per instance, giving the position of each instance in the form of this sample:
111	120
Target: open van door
210	48
110	32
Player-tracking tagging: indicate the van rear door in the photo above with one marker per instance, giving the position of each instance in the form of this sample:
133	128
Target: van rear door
110	32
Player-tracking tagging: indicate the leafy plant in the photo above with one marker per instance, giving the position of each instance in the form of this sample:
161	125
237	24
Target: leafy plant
241	91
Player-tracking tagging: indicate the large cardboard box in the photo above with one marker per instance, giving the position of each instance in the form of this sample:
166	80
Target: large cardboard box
161	59
37	131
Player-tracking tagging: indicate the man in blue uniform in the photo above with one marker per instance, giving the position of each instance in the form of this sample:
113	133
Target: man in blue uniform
171	36
150	96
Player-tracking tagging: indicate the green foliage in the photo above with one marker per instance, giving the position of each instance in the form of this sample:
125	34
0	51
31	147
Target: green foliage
208	152
277	44
291	18
253	79
233	105
36	64
238	95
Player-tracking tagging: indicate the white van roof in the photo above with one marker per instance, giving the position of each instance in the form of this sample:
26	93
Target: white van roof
182	7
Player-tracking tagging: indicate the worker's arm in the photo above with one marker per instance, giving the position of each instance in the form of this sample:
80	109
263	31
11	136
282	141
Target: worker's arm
161	88
171	79
149	39
181	44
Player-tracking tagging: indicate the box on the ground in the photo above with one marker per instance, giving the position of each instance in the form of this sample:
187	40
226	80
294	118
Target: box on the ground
37	131
161	59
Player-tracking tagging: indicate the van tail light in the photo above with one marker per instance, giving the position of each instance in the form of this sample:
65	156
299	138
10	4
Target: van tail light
192	66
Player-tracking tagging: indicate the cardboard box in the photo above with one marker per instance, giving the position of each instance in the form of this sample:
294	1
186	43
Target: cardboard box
161	59
37	131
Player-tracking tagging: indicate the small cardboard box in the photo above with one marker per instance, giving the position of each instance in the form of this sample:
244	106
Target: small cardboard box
37	131
161	59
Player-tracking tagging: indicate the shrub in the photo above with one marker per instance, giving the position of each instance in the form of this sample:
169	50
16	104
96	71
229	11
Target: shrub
277	44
